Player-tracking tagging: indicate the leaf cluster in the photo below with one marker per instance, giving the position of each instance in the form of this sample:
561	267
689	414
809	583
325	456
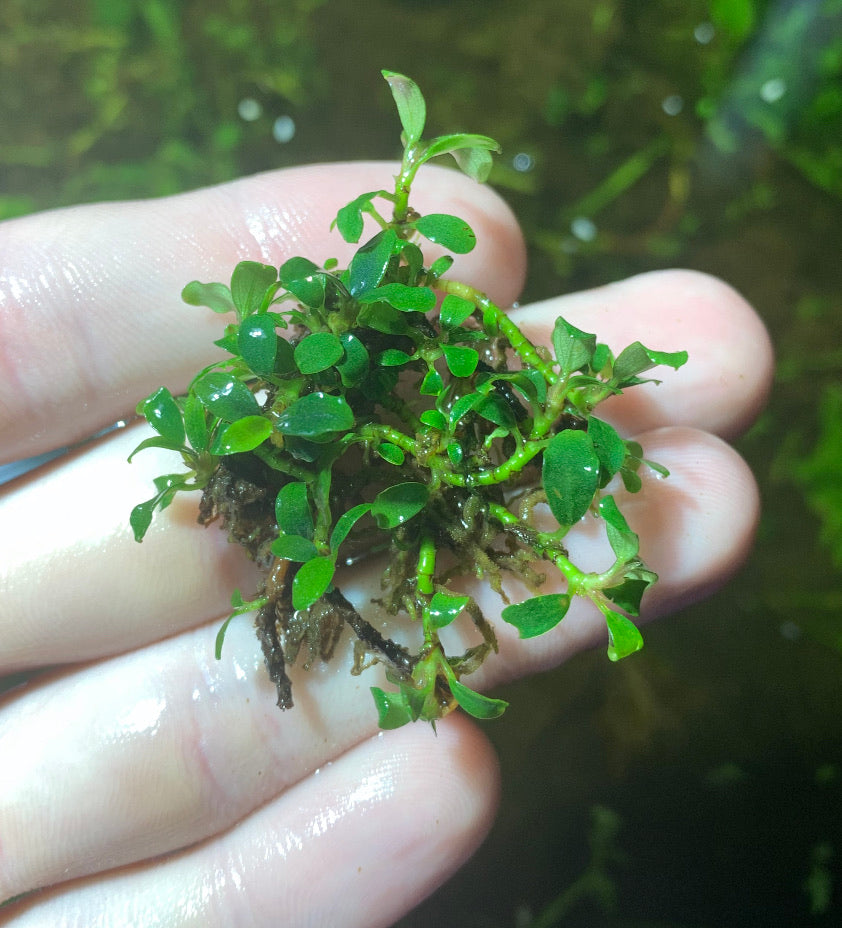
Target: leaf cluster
387	408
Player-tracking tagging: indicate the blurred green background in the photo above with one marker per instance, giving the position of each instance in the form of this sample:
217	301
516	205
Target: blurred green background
699	783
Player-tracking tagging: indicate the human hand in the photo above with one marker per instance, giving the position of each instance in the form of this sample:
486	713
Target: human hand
145	745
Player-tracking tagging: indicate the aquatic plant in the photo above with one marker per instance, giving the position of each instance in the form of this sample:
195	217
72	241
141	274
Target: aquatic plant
386	408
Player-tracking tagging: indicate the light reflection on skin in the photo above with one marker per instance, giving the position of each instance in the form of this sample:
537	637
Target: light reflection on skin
144	717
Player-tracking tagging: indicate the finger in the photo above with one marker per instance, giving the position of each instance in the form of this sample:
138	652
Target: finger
90	304
727	378
188	745
91	562
357	843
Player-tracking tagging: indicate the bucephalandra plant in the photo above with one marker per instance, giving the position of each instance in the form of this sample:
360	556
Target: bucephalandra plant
354	417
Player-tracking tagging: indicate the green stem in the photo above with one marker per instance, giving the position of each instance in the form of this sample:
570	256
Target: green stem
524	348
499	474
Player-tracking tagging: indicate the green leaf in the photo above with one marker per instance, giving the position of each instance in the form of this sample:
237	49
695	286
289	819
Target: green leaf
439	267
383	318
226	396
609	446
537	615
434	419
475	162
141	518
245	434
623	636
370	262
450	232
311	581
448	144
410	103
399	503
570	475
349	219
495	408
220	636
354	366
293	548
393	357
257	343
249	284
393	711
402	297
444	608
628	594
432	383
195	423
214	296
292	510
573	347
301	277
462	362
317	416
345	523
156	441
455	452
317	352
475	704
463	406
454	311
637	358
162	413
391	453
624	542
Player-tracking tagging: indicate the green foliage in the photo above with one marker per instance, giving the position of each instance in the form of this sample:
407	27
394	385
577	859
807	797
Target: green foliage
350	419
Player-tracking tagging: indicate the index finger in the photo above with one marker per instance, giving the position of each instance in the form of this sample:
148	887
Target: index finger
90	305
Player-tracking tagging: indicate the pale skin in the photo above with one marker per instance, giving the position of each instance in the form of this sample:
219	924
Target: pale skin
145	782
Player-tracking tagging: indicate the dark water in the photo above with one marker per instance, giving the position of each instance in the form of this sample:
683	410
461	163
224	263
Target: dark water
696	134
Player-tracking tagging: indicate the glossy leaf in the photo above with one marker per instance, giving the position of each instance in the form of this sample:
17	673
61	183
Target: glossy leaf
249	284
573	347
629	594
448	144
317	352
432	383
410	103
637	358
257	343
391	453
440	266
464	405
317	416
349	219
195	423
292	510
214	296
624	542
226	396
454	311
444	608
537	615
402	297
434	419
570	475
293	548
399	503
303	279
497	410
450	232
370	262
245	434
162	413
475	704
623	636
462	362
345	523
393	711
609	446
311	581
353	367
476	162
220	636
393	357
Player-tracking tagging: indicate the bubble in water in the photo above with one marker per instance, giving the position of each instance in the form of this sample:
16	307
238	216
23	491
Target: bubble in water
673	104
772	90
249	109
704	33
583	228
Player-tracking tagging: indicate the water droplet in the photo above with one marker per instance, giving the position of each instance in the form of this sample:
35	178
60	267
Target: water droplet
772	90
704	33
673	104
523	162
249	109
283	129
583	228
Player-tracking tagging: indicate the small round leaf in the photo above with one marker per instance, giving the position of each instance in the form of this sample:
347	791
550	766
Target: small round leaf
399	503
317	352
450	232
